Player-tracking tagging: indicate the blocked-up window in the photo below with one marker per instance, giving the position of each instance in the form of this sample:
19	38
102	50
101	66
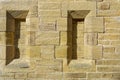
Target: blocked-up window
76	40
14	21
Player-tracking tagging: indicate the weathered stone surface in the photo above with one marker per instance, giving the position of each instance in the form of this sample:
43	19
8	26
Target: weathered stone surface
94	75
107	13
117	50
94	52
18	14
103	6
43	75
2	52
108	69
79	14
63	38
34	26
94	24
20	75
53	33
96	0
62	24
49	6
108	62
109	36
91	38
3	23
111	56
35	52
109	49
2	38
74	75
61	51
53	13
80	5
47	52
49	26
47	37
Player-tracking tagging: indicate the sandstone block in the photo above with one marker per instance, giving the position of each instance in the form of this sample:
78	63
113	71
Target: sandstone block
8	75
79	14
61	51
94	24
79	41
94	52
112	24
2	66
20	75
82	65
109	36
116	76
109	20
64	8
103	6
108	69
74	75
35	52
81	5
23	37
117	50
49	5
34	26
49	69
108	62
91	38
47	37
115	42
47	26
2	52
2	38
96	0
79	50
24	51
43	75
62	24
112	30
48	62
108	13
33	11
3	23
32	38
53	13
111	56
108	49
94	75
114	5
80	26
2	12
63	38
102	42
47	52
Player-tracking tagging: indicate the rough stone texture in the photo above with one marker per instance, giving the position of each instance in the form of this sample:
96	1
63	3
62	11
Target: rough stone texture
59	40
47	37
94	24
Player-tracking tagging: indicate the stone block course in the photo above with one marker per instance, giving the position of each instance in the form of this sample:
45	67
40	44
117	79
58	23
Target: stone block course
47	37
60	40
94	24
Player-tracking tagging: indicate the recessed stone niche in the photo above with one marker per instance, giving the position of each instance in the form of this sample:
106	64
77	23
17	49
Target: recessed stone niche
76	40
15	20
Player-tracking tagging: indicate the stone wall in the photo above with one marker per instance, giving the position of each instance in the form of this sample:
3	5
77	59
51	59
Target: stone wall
59	40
